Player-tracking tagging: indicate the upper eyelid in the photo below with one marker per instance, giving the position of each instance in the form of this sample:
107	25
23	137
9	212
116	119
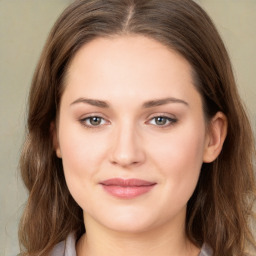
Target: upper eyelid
88	117
84	116
147	117
171	119
150	116
162	114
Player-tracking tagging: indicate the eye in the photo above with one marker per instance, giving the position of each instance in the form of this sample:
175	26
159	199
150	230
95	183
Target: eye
162	121
93	121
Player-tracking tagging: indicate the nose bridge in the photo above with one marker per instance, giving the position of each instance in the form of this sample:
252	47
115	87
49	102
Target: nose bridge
127	147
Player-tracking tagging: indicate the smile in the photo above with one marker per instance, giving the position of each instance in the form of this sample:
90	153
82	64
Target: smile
127	188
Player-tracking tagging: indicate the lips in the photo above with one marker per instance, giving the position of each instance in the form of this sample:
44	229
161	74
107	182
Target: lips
127	188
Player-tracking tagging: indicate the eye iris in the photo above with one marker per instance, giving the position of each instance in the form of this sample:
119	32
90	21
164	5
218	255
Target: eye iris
160	120
95	120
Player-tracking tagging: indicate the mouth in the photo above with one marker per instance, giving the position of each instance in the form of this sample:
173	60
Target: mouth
127	188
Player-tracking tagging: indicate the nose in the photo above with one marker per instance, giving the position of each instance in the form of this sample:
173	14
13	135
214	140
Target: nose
127	147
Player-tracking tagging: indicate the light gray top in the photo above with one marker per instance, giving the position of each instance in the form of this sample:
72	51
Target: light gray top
68	248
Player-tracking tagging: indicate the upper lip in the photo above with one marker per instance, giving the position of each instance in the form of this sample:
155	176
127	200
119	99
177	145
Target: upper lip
127	182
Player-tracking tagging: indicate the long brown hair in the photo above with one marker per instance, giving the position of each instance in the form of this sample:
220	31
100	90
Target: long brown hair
219	210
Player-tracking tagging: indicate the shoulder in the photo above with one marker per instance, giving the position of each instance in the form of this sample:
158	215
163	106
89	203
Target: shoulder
65	248
205	251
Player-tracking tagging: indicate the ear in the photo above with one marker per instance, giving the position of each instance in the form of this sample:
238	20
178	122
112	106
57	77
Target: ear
215	137
55	140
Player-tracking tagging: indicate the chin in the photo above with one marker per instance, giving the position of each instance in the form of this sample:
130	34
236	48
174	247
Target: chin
126	220
134	225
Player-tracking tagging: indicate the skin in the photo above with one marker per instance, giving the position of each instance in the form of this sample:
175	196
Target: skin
126	73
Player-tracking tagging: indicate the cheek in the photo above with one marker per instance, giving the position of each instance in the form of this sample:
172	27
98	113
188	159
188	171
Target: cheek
80	152
180	158
184	149
81	158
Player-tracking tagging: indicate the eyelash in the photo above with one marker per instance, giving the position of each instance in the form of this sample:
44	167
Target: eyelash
84	121
170	121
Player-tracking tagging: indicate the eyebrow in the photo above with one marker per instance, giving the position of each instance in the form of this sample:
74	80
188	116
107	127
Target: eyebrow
160	102
96	103
147	104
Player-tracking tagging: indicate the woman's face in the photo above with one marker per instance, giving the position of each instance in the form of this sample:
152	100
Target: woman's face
131	133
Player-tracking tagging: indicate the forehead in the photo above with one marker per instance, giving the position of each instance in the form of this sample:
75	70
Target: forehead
128	66
130	51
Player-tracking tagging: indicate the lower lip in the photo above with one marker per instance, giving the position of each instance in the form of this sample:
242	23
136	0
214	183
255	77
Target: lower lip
128	192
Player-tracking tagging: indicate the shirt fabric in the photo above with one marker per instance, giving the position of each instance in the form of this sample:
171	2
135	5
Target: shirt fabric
68	248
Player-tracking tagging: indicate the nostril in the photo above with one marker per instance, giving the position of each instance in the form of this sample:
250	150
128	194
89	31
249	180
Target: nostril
125	161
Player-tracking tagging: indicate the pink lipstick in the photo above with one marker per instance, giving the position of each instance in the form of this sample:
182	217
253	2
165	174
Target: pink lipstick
127	188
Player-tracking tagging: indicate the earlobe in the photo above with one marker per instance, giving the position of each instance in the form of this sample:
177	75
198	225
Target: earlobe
55	140
216	135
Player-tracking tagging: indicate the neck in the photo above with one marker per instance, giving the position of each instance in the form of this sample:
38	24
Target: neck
162	241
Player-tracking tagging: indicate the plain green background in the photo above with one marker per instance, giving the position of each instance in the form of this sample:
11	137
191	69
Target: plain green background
24	25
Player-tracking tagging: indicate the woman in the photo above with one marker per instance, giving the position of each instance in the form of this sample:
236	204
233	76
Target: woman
136	136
